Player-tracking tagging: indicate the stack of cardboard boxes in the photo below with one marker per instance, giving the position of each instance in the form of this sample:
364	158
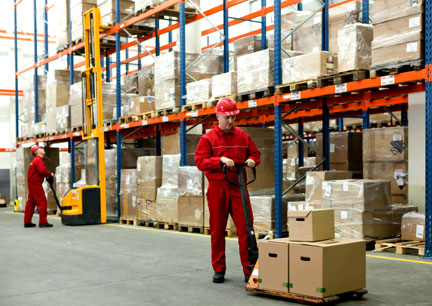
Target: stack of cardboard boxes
128	193
311	262
255	71
398	33
78	7
385	156
413	226
27	128
149	179
191	200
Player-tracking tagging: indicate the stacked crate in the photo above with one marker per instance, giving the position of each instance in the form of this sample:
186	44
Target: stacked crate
78	7
398	33
385	156
149	179
128	194
167	194
190	201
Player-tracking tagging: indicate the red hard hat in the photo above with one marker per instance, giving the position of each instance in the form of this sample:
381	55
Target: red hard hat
227	106
34	149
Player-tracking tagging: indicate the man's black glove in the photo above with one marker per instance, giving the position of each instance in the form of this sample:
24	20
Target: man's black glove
50	180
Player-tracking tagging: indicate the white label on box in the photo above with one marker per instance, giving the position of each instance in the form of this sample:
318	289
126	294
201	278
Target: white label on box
344	215
296	95
144	122
397	137
387	80
286	97
300	207
411	47
317	20
341	88
198	214
316	49
345	186
250	48
293	162
252	103
309	179
172	91
189	184
338	235
194	113
164	118
414	22
327	191
419	231
291	207
142	99
255	272
332	148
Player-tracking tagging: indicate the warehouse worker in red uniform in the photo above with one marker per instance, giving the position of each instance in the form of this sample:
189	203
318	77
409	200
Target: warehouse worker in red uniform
36	196
225	145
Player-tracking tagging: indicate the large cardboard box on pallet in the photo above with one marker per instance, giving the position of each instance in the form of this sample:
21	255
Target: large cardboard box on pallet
170	144
78	7
311	225
199	91
191	211
398	37
395	172
354	44
247	45
314	182
308	66
413	226
385	144
255	71
224	84
149	176
143	5
141	104
274	264
327	268
263	208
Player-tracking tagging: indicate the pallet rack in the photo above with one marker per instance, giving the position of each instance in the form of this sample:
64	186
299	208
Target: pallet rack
319	104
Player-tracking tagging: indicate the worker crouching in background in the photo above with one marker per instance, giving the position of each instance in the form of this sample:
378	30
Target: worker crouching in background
36	196
226	145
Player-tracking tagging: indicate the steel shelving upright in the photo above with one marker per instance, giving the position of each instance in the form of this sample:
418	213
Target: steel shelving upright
428	134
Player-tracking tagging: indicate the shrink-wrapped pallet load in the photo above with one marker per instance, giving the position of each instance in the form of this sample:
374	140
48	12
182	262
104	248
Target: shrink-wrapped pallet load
224	84
199	91
255	71
128	193
191	201
78	7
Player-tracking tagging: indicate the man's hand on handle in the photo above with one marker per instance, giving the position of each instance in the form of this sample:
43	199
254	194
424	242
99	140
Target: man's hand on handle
228	162
250	163
50	179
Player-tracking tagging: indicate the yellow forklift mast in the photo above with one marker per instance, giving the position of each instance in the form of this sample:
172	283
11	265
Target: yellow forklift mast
87	204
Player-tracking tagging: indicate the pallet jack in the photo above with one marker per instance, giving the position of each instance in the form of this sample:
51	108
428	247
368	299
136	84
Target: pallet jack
253	283
87	204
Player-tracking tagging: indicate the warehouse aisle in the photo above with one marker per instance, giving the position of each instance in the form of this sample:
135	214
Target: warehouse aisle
123	265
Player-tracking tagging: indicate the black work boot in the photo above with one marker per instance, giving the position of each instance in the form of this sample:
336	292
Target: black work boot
247	276
45	225
219	277
29	224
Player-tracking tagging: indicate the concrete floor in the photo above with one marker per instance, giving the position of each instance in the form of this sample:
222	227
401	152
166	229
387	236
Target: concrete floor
125	265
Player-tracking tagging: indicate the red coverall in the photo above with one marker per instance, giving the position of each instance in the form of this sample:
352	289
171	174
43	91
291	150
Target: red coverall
224	198
36	196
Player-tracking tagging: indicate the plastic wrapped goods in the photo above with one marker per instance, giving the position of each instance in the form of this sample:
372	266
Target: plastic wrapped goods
143	5
62	117
354	43
141	105
309	66
128	193
149	176
76	105
167	205
413	226
395	172
78	7
247	45
107	10
255	71
170	169
111	181
385	144
199	91
315	179
130	83
170	144
263	208
191	211
61	22
190	181
146	81
224	84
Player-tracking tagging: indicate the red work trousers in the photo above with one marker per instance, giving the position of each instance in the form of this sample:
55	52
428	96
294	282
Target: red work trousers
36	197
223	199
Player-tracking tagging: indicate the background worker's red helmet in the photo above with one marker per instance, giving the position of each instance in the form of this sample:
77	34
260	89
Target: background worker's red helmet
227	106
34	149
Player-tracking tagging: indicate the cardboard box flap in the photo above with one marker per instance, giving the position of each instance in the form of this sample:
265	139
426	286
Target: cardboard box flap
329	242
299	213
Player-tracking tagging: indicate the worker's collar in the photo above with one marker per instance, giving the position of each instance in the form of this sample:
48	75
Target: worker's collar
221	132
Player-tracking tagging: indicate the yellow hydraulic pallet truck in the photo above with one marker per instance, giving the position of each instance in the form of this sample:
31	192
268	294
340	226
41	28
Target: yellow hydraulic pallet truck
87	204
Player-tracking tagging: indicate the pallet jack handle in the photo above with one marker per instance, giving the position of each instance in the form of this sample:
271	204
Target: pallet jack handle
250	232
50	182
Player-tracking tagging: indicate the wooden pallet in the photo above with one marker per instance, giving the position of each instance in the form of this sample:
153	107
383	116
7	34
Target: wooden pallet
77	129
194	106
264	235
254	94
129	220
395	68
253	286
400	247
228	232
191	228
166	112
146	115
41	135
296	86
169	12
126	119
343	77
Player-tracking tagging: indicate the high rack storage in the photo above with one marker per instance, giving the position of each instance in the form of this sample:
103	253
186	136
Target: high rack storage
278	109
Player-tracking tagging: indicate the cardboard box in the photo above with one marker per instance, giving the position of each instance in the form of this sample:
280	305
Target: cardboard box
247	45
149	167
356	168
224	84
413	226
354	43
191	211
263	208
327	268
255	71
314	182
170	144
385	10
395	172
312	225
399	198
128	193
274	264
199	91
344	147
141	105
190	181
385	144
147	188
309	66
